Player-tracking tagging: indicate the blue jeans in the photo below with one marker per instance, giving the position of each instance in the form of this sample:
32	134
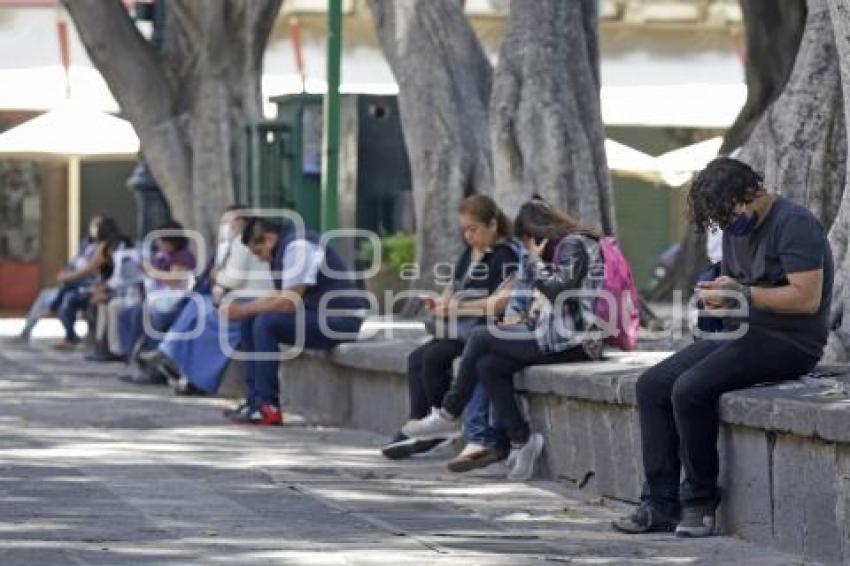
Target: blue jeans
72	302
263	334
39	308
479	425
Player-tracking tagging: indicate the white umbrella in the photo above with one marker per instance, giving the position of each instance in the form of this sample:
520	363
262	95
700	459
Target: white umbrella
631	162
73	133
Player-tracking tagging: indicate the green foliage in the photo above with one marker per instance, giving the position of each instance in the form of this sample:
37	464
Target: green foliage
396	250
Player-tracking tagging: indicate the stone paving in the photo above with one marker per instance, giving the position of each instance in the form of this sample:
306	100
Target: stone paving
95	471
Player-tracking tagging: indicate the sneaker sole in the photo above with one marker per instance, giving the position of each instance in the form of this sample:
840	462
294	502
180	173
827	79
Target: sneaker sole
436	436
469	464
696	532
399	450
654	529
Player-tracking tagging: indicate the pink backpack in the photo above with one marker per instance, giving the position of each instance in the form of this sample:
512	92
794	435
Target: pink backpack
620	283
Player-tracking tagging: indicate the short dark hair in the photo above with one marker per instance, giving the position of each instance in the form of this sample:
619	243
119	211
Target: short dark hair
717	189
178	241
256	226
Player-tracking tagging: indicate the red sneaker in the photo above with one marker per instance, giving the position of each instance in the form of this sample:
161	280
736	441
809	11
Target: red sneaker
264	415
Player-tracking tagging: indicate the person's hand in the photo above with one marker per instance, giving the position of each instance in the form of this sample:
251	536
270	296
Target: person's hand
715	294
62	276
536	249
441	308
217	294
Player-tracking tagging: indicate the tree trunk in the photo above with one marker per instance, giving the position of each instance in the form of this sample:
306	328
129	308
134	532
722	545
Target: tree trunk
838	347
189	101
547	130
799	144
444	81
773	33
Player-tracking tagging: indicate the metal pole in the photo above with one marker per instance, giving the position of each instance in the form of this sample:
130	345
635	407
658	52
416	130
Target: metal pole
73	206
330	128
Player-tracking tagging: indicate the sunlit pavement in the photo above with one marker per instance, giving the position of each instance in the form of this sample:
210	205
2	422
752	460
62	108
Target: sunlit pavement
95	471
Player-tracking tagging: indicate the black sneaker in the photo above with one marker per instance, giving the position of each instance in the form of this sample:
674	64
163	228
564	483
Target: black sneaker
160	362
402	446
698	521
646	518
102	356
144	376
243	407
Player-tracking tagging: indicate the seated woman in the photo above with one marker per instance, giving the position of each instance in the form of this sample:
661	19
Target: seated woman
166	288
481	278
124	288
197	365
47	297
77	283
563	256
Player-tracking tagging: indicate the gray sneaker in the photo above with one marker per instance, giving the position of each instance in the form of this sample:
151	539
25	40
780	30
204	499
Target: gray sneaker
645	518
524	459
698	521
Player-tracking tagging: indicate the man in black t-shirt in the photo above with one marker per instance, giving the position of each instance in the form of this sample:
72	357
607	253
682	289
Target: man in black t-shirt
776	277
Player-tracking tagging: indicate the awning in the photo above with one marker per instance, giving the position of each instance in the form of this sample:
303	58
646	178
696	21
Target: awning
678	166
71	131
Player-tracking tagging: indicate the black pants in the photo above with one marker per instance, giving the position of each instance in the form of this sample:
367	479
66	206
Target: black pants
429	372
679	421
493	361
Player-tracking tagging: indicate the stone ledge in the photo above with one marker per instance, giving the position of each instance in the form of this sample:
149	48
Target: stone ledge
785	455
818	408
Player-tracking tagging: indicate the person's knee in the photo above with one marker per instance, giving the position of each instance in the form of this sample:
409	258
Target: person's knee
414	360
436	358
479	340
689	391
651	387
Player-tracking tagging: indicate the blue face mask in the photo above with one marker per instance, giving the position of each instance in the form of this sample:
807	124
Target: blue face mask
742	224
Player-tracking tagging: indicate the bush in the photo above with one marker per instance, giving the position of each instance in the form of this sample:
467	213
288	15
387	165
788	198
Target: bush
396	250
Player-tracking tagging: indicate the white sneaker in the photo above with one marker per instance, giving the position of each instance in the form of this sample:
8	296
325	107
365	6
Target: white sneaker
433	426
525	457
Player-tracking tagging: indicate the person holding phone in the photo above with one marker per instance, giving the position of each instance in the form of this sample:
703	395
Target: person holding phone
561	274
773	295
480	286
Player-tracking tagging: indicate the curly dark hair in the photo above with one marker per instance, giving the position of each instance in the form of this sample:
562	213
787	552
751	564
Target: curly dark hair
717	189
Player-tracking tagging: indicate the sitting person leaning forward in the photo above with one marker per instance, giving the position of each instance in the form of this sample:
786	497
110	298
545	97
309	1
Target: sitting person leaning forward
777	265
309	275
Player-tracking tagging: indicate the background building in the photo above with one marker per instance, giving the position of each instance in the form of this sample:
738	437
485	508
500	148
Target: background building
672	76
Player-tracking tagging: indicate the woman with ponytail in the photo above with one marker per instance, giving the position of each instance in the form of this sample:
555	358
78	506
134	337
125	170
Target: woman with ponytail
479	289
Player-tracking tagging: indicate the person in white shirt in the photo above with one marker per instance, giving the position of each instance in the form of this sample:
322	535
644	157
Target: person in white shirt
197	365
